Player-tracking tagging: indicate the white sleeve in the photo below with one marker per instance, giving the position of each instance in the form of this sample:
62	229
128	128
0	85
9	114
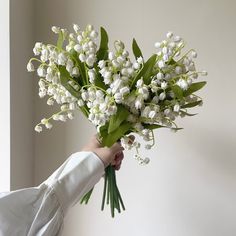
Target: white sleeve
40	210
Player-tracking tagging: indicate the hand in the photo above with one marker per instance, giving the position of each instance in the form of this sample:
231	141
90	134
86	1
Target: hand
113	155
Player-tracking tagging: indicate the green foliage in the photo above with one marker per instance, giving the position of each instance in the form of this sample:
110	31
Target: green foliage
155	126
99	80
65	78
191	104
109	139
146	71
136	50
187	114
194	87
102	52
82	67
177	91
115	120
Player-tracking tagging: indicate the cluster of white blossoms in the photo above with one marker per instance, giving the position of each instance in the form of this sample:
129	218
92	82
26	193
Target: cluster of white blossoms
154	95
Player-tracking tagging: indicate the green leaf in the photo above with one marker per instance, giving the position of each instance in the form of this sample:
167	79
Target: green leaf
136	50
187	114
155	126
146	71
109	139
102	52
99	80
191	104
177	91
60	40
115	121
194	87
82	67
65	78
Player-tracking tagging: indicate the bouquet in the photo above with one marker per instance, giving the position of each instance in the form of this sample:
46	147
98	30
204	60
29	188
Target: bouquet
118	94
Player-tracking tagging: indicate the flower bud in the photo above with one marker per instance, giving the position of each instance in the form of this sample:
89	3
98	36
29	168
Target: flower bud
30	67
38	128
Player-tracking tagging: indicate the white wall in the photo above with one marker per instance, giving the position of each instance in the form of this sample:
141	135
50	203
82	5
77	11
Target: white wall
4	98
189	188
22	93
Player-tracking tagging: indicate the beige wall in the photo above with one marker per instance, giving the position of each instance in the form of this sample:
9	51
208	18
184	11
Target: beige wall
189	188
22	93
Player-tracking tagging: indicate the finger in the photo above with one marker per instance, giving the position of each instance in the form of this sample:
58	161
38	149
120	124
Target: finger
116	148
119	156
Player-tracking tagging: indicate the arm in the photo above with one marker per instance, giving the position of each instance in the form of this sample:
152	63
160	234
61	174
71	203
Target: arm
40	210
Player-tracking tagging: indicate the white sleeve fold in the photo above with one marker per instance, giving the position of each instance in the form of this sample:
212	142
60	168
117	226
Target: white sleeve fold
40	210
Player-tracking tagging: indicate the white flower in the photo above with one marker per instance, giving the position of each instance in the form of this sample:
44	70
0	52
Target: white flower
169	35
55	117
204	73
178	70
76	28
80	103
139	83
75	71
56	29
44	121
62	118
37	48
194	54
161	64
148	146
152	114
92	75
111	56
144	92
124	91
140	60
189	81
82	57
72	106
164	85
70	115
41	72
176	107
177	39
48	125
160	76
162	96
44	55
38	128
93	34
78	48
99	94
164	50
62	59
101	64
85	96
90	60
138	102
118	97
30	66
157	45
182	84
155	99
50	101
